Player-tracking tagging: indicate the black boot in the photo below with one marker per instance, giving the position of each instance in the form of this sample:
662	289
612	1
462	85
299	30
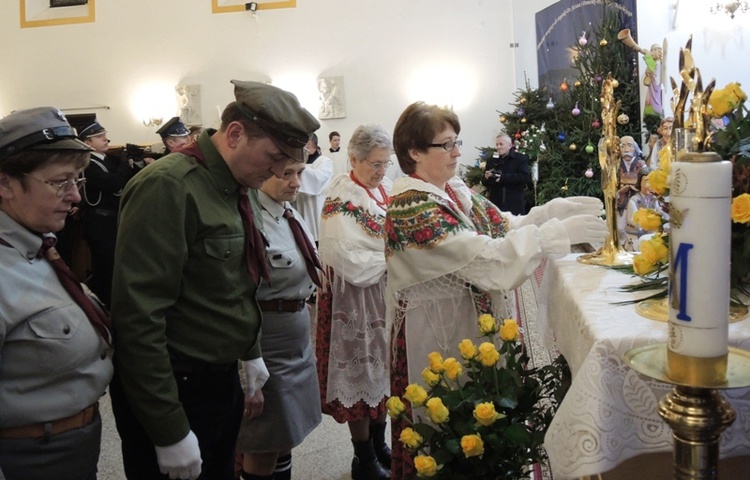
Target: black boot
382	450
365	465
283	468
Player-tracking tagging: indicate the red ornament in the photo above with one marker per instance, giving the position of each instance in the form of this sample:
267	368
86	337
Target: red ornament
596	123
518	135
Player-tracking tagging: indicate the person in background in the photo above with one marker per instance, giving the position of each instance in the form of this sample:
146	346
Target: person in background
54	340
189	258
291	405
315	179
195	132
174	134
451	254
506	177
106	176
334	138
352	346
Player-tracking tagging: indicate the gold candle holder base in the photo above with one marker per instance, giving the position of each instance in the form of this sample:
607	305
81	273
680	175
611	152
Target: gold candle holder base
697	414
658	309
610	255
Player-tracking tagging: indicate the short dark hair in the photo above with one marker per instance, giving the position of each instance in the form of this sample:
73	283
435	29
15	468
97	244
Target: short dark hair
333	134
416	128
19	164
232	113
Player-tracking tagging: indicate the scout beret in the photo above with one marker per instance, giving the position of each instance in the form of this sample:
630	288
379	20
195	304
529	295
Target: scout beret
173	128
37	129
279	114
91	131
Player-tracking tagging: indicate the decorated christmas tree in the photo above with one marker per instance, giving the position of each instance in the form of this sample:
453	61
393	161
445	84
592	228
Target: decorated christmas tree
563	138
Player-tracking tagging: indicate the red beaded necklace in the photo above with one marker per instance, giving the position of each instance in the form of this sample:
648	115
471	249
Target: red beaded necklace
382	204
451	193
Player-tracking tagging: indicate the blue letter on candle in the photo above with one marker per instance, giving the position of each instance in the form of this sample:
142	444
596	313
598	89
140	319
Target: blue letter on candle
681	265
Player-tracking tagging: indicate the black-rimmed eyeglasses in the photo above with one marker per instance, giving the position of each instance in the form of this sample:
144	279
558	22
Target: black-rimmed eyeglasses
62	188
449	145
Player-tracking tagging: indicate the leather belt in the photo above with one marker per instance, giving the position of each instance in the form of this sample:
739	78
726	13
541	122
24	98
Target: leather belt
279	306
39	430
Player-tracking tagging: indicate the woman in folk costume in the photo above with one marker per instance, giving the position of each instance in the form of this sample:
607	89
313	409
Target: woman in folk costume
452	255
352	341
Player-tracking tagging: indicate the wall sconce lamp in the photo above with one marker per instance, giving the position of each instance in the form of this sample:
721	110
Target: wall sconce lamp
252	6
152	121
730	7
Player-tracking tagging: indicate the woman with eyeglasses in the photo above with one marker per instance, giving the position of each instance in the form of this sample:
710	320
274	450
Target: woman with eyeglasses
452	255
352	342
54	340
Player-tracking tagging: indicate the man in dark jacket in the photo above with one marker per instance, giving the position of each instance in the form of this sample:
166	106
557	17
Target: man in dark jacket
506	176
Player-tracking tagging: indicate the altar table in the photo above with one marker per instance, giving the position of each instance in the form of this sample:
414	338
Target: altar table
610	415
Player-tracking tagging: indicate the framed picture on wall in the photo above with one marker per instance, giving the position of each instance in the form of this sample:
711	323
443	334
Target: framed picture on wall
46	13
228	6
66	3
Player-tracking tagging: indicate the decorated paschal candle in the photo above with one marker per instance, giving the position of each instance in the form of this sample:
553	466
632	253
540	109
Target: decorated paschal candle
700	222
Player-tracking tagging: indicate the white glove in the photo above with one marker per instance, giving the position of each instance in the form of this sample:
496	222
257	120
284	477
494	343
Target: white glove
182	459
256	374
562	208
585	229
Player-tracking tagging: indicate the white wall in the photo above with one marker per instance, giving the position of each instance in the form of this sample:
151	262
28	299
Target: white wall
390	53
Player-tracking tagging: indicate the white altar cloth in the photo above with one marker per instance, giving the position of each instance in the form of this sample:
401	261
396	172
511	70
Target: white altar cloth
610	412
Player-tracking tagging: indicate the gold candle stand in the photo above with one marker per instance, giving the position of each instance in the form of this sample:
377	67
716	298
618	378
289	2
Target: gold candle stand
697	414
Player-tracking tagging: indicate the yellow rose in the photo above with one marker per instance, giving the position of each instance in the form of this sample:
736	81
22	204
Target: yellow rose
485	414
741	208
437	411
415	394
436	362
452	368
472	445
395	407
430	378
410	438
425	465
642	266
725	100
656	249
658	181
468	349
509	330
487	324
665	159
647	219
488	354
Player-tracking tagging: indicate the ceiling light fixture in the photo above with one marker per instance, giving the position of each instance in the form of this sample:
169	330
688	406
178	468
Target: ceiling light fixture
730	7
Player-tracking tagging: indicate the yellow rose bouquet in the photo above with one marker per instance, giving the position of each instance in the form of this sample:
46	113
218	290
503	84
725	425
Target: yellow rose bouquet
483	415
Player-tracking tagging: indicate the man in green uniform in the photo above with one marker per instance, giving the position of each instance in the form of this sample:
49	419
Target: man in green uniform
188	262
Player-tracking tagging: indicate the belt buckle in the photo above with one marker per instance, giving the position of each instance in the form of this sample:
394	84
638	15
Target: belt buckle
279	306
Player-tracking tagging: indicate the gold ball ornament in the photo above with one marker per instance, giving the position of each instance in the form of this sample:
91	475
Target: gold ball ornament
523	120
615	83
603	42
577	84
502	119
623	119
522	100
573	147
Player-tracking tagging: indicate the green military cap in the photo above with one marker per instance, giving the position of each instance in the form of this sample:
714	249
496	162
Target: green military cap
279	114
36	129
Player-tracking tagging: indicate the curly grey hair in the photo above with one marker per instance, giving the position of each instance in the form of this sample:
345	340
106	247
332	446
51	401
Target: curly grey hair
367	138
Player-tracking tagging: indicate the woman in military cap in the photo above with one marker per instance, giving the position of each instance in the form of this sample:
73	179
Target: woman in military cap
54	341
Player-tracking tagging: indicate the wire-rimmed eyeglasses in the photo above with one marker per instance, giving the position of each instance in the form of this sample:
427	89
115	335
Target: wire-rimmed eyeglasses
379	165
63	187
449	145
